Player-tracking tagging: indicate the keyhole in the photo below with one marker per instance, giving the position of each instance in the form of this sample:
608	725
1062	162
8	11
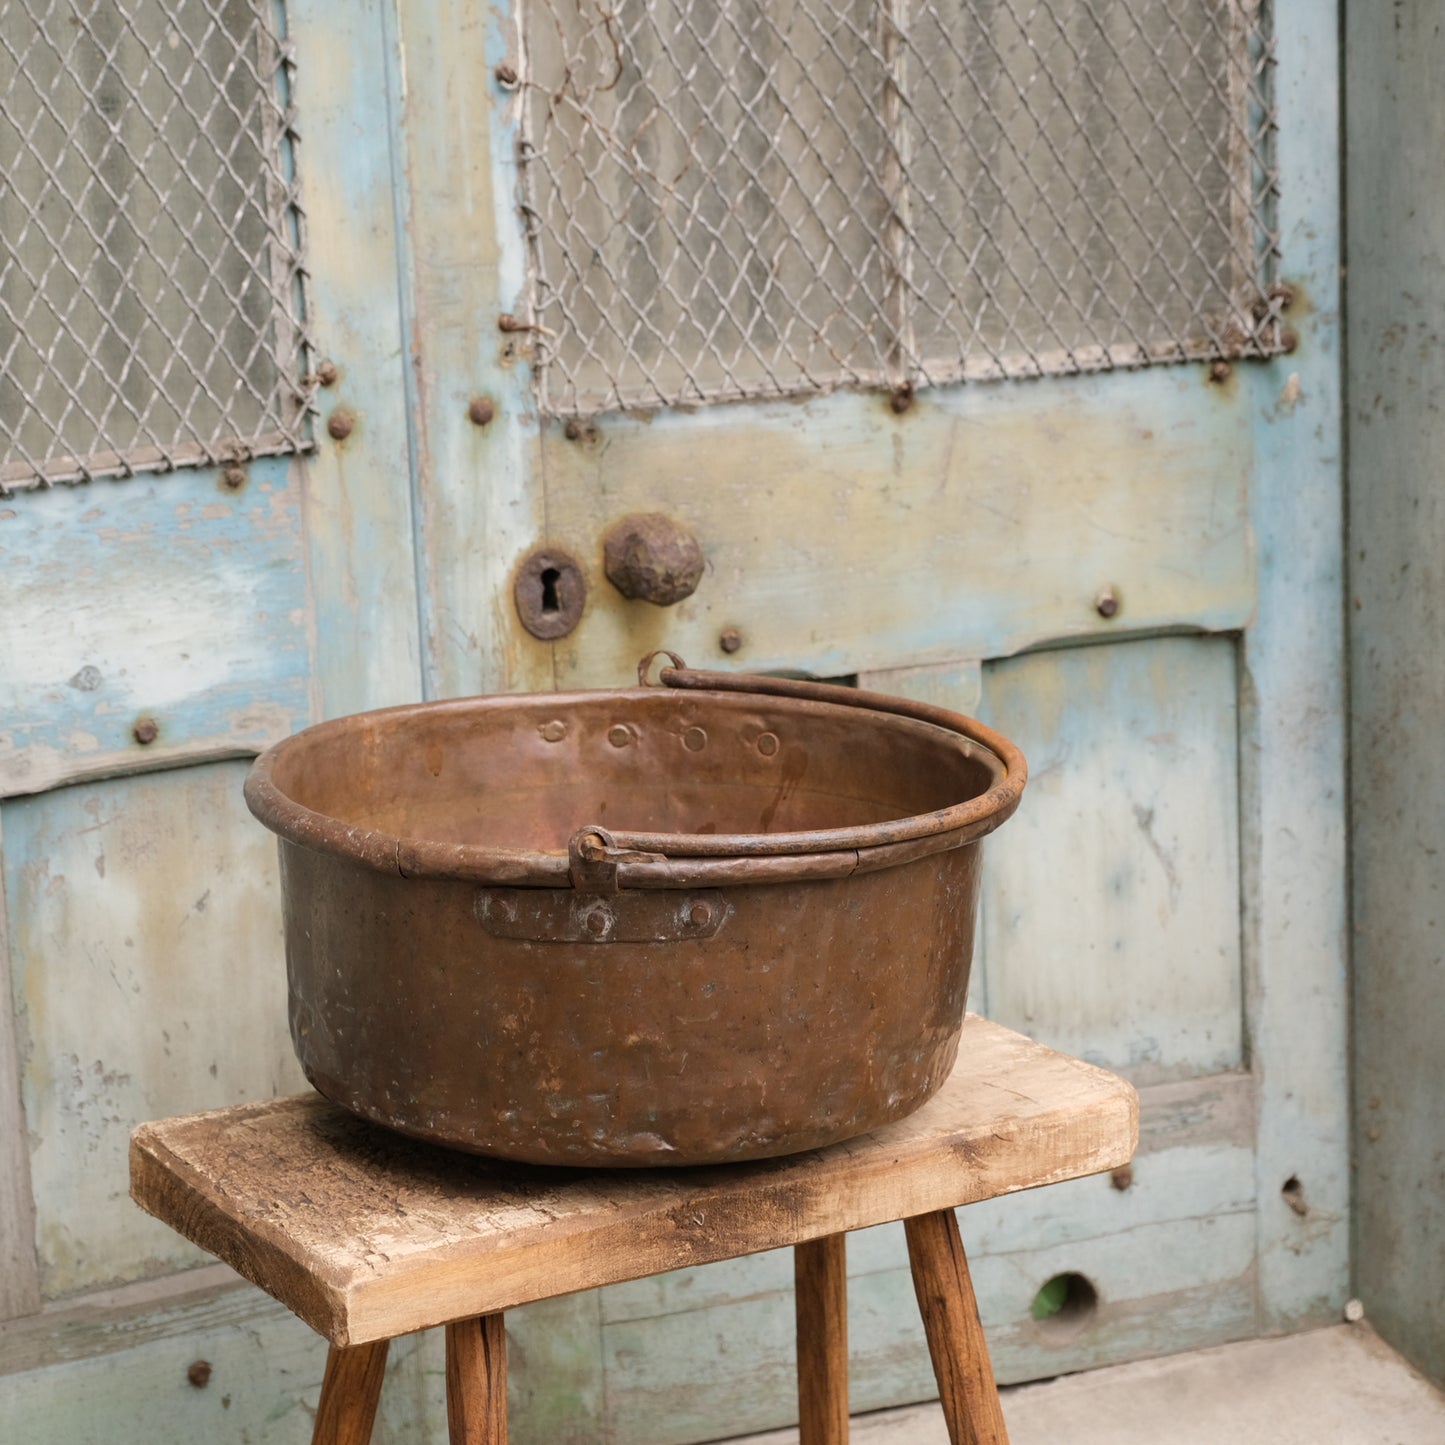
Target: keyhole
550	578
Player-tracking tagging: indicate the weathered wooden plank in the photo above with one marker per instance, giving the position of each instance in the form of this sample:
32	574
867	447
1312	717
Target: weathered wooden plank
841	538
19	1270
1165	1287
359	519
1292	721
147	977
481	498
1195	1157
170	598
1396	221
263	1387
304	1199
1124	854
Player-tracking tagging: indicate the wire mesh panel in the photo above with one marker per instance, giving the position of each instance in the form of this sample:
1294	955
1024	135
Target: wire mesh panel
151	277
740	198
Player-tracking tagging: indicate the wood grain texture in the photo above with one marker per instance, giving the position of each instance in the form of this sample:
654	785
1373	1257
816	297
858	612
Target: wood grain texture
820	1275
122	897
1185	1284
360	557
983	521
1292	719
350	1394
480	502
1125	852
1396	221
956	1343
166	597
19	1270
477	1381
367	1236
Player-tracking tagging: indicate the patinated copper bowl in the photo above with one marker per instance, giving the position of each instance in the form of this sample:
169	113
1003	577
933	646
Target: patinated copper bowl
720	919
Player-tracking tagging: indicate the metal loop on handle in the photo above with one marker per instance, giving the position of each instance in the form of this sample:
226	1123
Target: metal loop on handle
647	662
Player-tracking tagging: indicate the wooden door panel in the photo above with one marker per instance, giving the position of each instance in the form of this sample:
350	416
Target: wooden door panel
176	598
147	978
1111	899
841	538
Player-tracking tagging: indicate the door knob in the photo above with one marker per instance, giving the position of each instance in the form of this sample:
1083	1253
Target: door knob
648	556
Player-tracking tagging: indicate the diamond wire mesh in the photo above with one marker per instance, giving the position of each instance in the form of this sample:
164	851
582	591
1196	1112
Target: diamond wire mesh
746	198
152	282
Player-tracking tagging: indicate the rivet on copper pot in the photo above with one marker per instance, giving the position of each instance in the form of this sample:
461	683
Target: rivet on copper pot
694	740
1106	603
619	736
730	640
767	744
553	731
198	1372
597	921
1122	1177
327	373
699	915
481	412
233	478
506	75
146	731
340	424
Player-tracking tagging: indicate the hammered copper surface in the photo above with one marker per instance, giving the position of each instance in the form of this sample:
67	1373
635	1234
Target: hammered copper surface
668	925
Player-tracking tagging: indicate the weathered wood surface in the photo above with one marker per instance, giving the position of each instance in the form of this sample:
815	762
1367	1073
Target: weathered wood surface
481	502
1396	222
123	895
1292	716
820	1289
171	598
19	1271
1124	854
477	1381
359	492
366	1236
350	1395
956	1344
840	537
1170	1256
264	1387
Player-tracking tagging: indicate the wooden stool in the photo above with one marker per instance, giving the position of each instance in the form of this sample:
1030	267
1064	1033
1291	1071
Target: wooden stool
367	1236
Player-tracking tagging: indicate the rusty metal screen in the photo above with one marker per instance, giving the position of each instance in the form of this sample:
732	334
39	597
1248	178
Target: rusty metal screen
152	287
749	198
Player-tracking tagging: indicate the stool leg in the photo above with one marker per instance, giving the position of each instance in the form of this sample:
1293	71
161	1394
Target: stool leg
955	1336
477	1381
820	1275
350	1392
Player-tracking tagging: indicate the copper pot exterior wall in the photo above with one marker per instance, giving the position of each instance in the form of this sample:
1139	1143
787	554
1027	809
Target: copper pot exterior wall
818	1011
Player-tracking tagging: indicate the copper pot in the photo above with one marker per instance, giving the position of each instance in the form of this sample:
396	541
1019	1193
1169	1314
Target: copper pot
724	918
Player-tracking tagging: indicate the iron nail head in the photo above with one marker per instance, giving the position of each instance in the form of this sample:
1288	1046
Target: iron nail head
730	640
1106	603
146	731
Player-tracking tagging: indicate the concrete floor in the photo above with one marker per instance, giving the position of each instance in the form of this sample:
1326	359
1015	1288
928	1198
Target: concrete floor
1339	1386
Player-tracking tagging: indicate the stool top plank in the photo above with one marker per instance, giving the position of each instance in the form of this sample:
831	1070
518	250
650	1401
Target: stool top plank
367	1235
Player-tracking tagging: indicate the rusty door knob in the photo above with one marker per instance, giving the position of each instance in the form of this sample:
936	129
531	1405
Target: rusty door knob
650	557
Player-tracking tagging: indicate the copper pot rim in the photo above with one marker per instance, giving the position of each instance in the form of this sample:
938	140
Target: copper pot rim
606	859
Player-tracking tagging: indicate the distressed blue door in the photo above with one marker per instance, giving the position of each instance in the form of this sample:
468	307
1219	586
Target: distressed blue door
990	359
